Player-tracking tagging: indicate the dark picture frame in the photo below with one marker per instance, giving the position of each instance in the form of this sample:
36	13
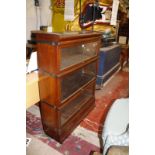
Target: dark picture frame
95	14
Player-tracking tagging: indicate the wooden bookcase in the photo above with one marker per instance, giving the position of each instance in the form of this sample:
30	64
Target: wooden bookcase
68	63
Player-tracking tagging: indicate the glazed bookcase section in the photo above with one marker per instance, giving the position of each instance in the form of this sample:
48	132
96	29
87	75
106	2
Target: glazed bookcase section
58	52
69	110
77	102
51	120
59	123
70	56
74	81
57	90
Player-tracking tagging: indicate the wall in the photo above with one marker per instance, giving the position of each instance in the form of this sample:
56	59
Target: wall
31	15
46	13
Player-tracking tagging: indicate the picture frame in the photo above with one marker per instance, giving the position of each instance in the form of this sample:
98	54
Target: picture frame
95	14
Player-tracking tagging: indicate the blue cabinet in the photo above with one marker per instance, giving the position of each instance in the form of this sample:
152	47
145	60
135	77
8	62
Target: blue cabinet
108	63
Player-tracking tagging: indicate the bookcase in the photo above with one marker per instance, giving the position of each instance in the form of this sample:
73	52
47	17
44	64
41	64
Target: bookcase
67	65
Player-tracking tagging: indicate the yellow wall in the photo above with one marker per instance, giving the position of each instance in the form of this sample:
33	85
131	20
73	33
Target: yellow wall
58	23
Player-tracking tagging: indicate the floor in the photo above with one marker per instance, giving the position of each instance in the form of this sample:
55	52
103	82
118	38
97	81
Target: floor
87	136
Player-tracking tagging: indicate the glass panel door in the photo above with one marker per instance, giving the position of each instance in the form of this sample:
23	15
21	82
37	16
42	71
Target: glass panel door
76	104
76	54
74	81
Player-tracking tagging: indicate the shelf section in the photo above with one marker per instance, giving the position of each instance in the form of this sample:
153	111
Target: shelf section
72	82
76	104
77	54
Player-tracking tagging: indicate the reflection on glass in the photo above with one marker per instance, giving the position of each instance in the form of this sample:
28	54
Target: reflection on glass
72	82
76	104
76	54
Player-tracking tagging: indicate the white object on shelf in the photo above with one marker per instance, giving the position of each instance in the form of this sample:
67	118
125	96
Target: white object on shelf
69	10
49	29
114	12
32	65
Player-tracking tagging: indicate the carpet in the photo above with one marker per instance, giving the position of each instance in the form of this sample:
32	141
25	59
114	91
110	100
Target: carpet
87	136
